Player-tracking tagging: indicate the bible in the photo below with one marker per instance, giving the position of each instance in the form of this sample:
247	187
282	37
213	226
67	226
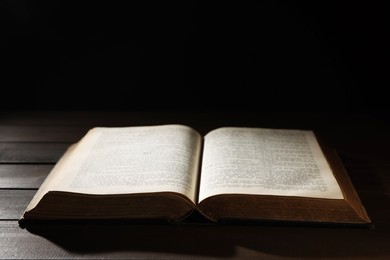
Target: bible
171	172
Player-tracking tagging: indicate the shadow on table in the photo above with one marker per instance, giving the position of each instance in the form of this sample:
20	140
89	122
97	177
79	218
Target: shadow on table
219	240
103	237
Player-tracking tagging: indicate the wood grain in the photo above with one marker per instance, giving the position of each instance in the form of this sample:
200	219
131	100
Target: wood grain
78	241
14	202
42	133
31	152
17	176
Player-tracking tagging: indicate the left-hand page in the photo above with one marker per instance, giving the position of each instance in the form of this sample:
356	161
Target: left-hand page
126	160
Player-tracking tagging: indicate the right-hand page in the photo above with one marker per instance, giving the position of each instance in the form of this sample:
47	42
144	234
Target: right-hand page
238	160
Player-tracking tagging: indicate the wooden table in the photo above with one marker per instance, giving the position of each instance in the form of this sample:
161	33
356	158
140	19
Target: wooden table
32	141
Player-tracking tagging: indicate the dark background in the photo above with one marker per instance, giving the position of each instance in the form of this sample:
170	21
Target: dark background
194	55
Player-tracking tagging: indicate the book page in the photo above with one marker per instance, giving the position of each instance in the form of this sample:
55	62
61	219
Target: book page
267	162
50	179
124	160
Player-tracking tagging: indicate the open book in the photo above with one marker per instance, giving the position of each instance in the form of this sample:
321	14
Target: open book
171	172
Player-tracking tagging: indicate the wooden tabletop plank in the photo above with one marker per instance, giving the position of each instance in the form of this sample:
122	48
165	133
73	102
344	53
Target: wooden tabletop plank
14	202
111	242
17	176
17	243
79	241
42	133
31	152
